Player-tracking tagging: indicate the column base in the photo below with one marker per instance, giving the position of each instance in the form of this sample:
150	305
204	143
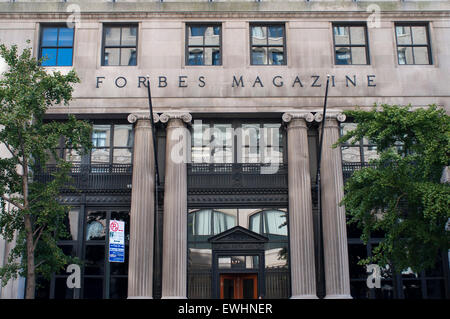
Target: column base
304	297
338	297
173	297
139	297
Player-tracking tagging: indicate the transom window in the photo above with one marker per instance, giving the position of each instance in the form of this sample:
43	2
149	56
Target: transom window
413	44
56	46
350	44
203	44
268	44
119	45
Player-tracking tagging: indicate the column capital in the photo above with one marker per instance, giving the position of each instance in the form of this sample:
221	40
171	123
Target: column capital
333	115
184	116
134	117
289	116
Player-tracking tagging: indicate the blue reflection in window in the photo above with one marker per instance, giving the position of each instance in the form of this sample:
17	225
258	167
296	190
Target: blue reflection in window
57	46
258	57
197	31
342	57
196	58
216	58
277	58
132	60
49	56
276	31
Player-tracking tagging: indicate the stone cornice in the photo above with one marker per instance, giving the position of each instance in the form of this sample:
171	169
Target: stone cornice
273	9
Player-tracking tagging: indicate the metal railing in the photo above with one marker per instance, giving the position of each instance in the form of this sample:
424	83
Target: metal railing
98	177
237	175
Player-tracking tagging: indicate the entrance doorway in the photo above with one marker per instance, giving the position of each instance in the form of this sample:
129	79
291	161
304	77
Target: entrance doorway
238	286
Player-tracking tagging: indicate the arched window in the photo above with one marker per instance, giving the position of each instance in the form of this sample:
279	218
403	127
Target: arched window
207	222
269	222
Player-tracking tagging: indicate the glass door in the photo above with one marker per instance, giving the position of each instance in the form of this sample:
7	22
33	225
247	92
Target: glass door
238	286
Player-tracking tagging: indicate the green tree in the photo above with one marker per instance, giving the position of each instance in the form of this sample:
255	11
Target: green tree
400	193
31	214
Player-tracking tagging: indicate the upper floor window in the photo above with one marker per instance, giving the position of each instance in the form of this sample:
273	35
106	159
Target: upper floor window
203	44
413	44
119	45
350	44
268	44
56	46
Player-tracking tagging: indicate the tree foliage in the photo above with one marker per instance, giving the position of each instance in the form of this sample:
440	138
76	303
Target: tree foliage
31	214
400	193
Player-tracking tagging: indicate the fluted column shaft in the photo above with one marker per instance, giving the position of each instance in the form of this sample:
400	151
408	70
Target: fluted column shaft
140	269
337	277
301	229
174	275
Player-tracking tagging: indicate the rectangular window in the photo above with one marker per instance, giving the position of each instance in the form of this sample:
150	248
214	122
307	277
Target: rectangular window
350	44
268	44
413	44
119	45
56	46
203	44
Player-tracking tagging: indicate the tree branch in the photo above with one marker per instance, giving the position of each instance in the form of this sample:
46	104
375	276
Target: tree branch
39	235
12	202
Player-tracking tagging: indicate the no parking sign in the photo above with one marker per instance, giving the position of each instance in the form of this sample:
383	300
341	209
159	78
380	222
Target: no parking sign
116	241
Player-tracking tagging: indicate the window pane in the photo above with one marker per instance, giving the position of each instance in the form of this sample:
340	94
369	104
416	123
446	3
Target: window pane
112	36
65	37
275	223
412	289
61	289
101	135
72	156
259	56
123	135
276	56
419	35
95	225
125	217
351	154
94	260
255	223
355	254
196	35
118	288
359	55
403	35
195	56
436	289
93	288
275	35
259	35
128	56
111	57
49	57
49	37
122	156
370	153
211	37
71	223
128	36
343	55
357	35
341	35
100	156
212	56
421	55
65	57
405	55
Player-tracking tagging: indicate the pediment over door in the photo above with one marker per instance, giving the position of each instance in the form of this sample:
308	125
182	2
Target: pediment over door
238	234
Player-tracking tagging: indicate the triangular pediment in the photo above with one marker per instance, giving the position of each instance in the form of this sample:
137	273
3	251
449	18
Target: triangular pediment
238	234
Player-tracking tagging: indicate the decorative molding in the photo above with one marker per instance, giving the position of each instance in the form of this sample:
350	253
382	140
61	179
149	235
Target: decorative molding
184	116
289	116
318	117
134	117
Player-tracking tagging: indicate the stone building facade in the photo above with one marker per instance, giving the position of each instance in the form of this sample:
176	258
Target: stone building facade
237	90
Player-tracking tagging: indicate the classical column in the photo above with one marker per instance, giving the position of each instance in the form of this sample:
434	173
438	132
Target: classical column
337	277
140	268
174	264
301	228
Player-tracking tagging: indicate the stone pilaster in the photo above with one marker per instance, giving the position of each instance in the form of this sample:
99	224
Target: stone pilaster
140	268
301	228
174	272
337	277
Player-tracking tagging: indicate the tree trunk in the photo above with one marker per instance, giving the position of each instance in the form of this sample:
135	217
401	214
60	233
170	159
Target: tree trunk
31	277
